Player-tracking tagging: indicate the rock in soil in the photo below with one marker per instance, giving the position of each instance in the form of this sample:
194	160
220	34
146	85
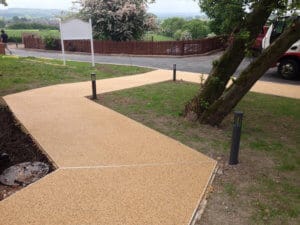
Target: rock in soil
24	173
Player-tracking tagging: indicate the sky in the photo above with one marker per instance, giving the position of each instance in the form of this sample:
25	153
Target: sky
161	6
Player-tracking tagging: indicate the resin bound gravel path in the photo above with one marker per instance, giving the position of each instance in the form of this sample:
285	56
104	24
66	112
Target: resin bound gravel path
110	169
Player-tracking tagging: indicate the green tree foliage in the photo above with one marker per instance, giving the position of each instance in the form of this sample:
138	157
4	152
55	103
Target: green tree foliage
171	25
178	28
118	20
197	28
51	42
224	14
2	23
17	19
186	35
177	34
32	26
3	2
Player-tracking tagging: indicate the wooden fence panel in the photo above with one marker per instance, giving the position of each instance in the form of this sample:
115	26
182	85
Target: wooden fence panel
32	41
193	47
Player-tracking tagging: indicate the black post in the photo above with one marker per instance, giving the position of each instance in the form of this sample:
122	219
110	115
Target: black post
174	72
236	137
94	88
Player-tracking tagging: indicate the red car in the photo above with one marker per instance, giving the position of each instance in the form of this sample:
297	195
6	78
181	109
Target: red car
258	42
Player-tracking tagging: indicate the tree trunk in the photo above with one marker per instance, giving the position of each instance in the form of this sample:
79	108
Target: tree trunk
239	88
224	68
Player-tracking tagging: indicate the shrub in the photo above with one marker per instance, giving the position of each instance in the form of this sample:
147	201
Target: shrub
51	43
177	35
186	35
31	26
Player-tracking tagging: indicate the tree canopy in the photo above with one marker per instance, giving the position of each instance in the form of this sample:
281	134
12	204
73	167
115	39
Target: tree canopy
170	25
3	2
118	20
224	14
227	14
197	28
182	29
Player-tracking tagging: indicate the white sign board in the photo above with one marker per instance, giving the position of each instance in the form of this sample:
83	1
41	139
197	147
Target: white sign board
76	29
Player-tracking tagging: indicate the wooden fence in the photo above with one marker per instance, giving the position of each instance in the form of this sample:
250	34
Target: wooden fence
193	47
2	49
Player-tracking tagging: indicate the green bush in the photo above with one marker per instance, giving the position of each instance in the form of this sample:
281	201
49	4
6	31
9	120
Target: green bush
51	42
186	35
174	27
177	35
31	26
197	28
171	25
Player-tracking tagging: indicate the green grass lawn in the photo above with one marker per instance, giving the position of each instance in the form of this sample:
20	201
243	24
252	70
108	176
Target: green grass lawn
157	37
19	74
264	187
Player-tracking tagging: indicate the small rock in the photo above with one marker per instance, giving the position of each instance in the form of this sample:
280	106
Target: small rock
220	172
24	173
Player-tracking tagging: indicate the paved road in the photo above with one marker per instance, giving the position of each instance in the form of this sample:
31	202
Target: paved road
197	64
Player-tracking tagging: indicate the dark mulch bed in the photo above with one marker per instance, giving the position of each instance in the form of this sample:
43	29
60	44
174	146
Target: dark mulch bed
19	145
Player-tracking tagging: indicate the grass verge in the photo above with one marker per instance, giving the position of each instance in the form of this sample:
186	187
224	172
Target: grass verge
150	36
264	187
19	74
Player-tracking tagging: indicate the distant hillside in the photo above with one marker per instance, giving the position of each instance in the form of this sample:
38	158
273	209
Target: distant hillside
29	13
50	13
161	15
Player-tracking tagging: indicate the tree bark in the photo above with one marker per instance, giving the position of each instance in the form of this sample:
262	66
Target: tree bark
224	68
239	88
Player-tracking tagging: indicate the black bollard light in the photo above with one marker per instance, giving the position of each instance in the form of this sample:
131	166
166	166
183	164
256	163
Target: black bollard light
236	137
174	72
94	88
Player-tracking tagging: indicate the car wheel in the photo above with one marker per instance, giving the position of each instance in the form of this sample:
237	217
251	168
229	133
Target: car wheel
289	69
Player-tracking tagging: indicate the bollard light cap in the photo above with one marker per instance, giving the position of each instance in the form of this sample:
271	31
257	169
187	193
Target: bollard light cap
93	76
238	113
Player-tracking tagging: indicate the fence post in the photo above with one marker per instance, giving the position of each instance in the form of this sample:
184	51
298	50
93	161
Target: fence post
182	48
